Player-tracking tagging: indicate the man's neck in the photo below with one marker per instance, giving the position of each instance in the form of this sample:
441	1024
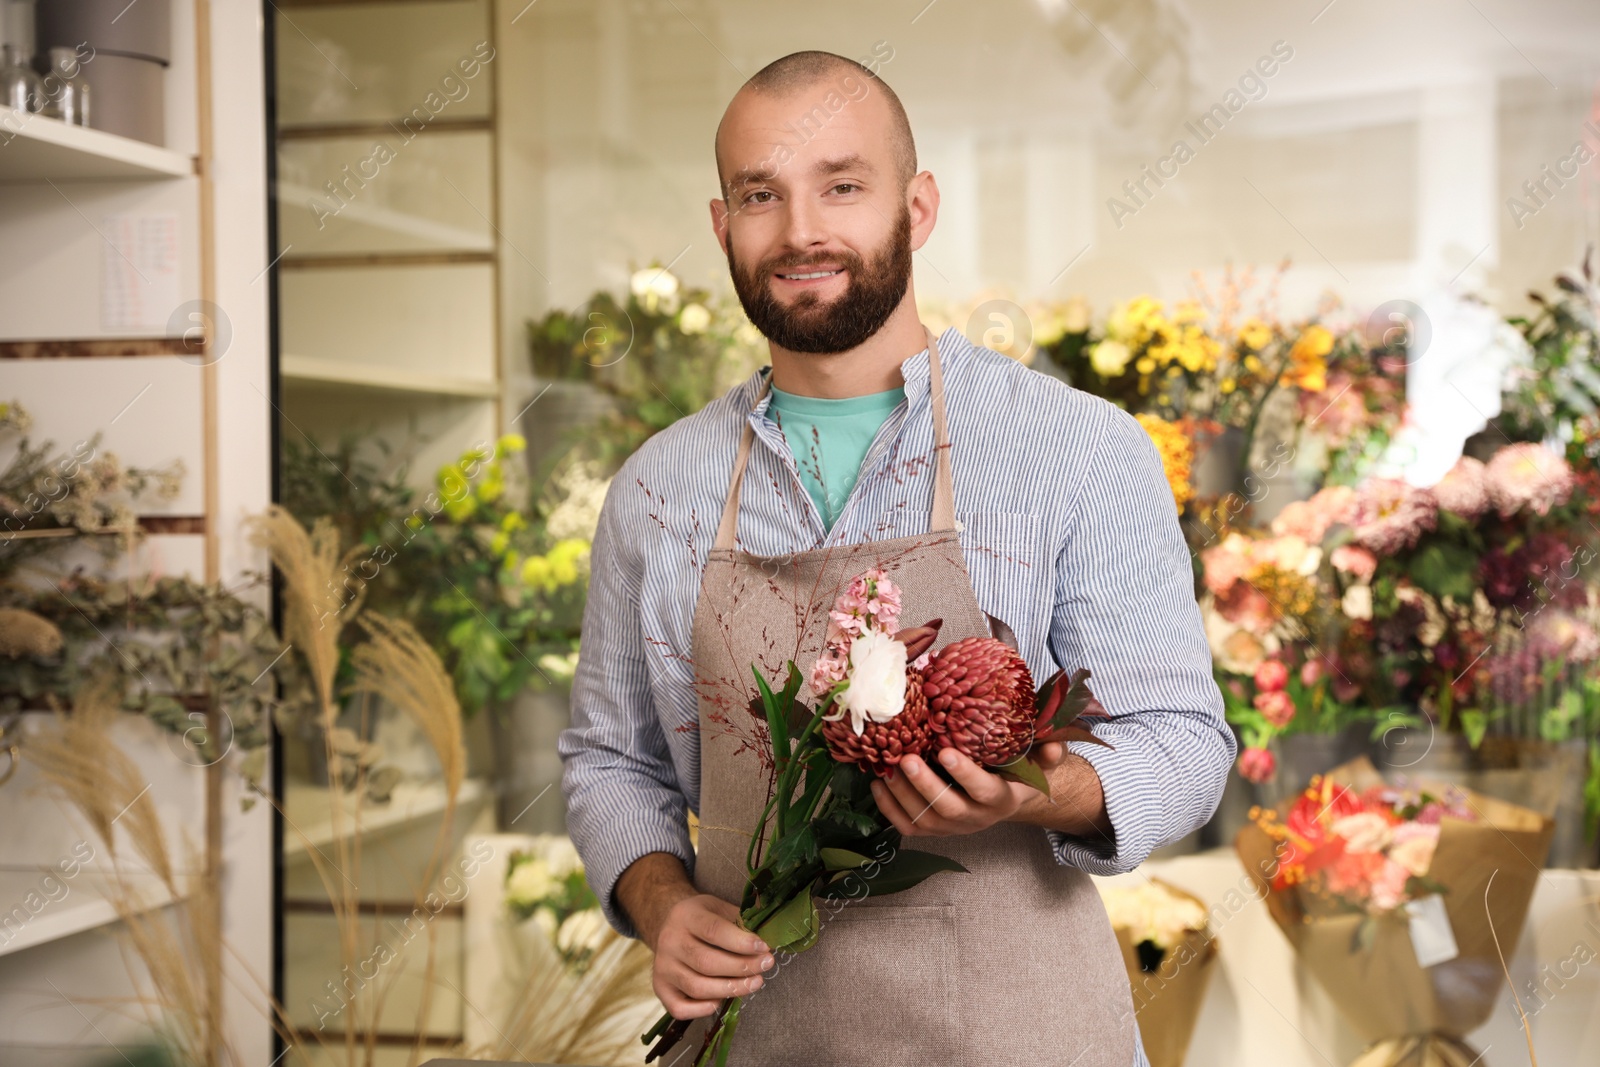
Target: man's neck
871	367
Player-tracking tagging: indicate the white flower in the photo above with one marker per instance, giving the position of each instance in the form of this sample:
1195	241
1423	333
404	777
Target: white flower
694	319
529	882
1365	831
656	288
581	931
877	689
1152	912
1109	358
1357	603
545	920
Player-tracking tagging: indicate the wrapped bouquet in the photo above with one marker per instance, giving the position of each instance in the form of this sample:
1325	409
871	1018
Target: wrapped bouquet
882	695
1401	901
1170	953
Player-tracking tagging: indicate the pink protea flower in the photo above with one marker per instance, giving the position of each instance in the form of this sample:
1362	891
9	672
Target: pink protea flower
1276	707
1391	515
1464	489
1353	559
1528	476
1257	765
1311	519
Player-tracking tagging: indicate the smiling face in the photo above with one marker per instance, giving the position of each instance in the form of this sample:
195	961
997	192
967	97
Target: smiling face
817	223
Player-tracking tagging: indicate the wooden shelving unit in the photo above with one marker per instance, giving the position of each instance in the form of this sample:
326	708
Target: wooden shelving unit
363	376
35	148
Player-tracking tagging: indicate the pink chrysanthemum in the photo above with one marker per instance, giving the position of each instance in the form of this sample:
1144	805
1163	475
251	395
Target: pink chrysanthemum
1311	519
1390	515
1528	475
1464	489
1353	559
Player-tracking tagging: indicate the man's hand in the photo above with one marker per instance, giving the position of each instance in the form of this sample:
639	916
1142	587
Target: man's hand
918	801
703	955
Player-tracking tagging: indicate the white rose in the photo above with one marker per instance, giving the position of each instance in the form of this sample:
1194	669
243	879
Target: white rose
694	319
1365	831
581	931
655	287
1357	603
1109	358
877	676
529	883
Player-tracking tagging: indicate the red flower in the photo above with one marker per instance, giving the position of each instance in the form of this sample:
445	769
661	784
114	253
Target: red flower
1276	707
1257	765
1271	676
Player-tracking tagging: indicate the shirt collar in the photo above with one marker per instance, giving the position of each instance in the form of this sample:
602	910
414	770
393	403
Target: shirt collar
953	346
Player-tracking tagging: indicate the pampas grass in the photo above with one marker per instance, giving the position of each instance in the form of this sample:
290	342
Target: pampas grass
592	1018
83	766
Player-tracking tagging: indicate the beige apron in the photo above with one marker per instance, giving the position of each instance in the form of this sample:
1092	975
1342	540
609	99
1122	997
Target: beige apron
1012	963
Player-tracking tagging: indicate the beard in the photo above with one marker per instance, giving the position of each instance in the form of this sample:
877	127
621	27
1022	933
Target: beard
809	324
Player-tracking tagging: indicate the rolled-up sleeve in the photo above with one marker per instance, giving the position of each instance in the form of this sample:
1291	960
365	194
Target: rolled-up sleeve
623	795
1125	609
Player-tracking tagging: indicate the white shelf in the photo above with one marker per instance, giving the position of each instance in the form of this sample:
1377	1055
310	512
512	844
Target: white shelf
33	148
84	907
308	811
327	372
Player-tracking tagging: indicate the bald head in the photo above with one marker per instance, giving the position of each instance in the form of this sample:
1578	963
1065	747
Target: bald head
829	78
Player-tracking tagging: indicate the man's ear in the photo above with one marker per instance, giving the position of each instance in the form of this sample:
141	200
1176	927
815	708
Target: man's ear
923	202
719	222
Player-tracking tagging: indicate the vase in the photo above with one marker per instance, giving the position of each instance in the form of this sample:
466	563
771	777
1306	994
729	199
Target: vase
1219	462
1302	756
527	767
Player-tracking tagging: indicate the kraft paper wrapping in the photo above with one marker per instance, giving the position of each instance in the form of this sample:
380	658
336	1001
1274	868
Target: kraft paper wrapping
1167	1000
1384	994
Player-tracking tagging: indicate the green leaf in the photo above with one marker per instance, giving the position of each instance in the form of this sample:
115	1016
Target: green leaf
1474	724
1027	772
1445	570
777	719
796	921
905	869
842	859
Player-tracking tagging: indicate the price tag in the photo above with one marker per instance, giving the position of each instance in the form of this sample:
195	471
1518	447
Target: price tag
1431	936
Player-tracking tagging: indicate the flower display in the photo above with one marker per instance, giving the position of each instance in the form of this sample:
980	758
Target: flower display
545	885
1177	455
1528	476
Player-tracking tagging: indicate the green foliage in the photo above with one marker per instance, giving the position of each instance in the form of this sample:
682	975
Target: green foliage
1559	392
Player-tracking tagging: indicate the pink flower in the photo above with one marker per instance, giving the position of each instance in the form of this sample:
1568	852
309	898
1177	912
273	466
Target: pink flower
1464	489
1257	765
1389	886
831	667
1226	563
1277	707
1271	675
1528	475
1353	559
1311	672
1311	519
1390	515
1414	845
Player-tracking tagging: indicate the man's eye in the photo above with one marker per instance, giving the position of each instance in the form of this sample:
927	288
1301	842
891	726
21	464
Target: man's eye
850	186
751	199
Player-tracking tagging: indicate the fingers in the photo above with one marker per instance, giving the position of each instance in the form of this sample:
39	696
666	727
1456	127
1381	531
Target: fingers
891	807
1049	755
704	957
982	786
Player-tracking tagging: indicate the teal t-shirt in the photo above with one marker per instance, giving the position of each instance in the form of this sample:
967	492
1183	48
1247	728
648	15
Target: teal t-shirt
830	438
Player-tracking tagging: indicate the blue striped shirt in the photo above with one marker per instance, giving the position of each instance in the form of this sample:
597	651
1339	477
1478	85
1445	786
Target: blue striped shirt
1070	535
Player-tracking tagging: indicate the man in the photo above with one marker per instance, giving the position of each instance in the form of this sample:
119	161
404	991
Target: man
1068	530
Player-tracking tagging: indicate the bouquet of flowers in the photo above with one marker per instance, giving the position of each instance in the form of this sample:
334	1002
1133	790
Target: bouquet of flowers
1170	953
1402	901
545	885
882	694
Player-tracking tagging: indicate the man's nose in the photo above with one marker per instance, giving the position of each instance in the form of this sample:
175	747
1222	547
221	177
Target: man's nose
803	224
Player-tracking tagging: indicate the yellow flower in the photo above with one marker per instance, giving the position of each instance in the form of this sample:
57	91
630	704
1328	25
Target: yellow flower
1252	364
1315	343
513	522
536	571
460	510
1255	334
493	485
1177	454
499	543
1187	312
1145	365
1227	385
509	443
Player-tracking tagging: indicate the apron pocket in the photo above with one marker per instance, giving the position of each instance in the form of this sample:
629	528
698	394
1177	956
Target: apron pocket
877	989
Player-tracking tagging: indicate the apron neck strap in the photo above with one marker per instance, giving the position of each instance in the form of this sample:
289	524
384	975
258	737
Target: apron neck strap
944	514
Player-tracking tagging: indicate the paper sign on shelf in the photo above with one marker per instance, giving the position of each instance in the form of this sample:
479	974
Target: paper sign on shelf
139	270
